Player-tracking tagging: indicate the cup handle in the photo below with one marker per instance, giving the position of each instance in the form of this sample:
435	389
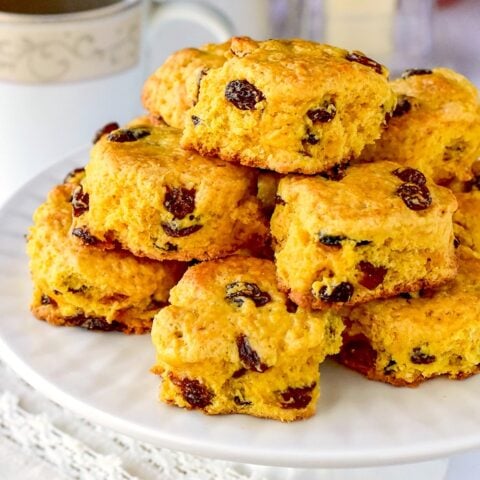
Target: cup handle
207	17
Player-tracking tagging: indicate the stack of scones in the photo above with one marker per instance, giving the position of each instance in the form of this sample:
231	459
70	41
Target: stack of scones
282	201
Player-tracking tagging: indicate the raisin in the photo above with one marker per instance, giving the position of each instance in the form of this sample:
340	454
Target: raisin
94	323
454	150
238	291
71	175
46	300
420	358
156	304
323	114
416	71
341	293
292	307
243	95
179	201
81	289
390	367
279	200
240	402
173	230
297	397
426	293
358	353
105	130
128	135
249	356
336	173
239	373
359	57
194	393
415	197
372	276
456	242
196	120
80	201
473	184
167	247
203	73
85	236
334	241
410	175
362	243
405	295
310	139
403	106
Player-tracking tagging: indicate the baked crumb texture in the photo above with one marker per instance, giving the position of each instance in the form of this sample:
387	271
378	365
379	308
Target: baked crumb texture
231	342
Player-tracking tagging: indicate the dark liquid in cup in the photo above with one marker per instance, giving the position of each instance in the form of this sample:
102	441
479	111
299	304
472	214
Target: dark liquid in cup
49	7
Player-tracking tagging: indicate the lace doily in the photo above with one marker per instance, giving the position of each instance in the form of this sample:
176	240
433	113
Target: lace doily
81	450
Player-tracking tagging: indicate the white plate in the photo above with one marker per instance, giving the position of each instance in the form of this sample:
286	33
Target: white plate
105	377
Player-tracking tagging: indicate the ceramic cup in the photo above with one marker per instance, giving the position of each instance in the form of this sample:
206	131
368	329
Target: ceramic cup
68	67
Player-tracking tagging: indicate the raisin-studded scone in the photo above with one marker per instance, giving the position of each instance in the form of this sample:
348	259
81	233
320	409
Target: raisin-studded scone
435	126
173	88
467	222
79	286
144	192
404	341
230	342
289	106
381	230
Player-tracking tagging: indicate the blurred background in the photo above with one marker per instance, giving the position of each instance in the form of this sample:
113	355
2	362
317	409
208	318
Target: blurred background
400	33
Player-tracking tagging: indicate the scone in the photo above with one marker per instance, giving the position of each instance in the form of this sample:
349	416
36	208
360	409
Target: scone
381	230
435	126
289	106
79	286
230	342
173	88
151	197
404	341
467	222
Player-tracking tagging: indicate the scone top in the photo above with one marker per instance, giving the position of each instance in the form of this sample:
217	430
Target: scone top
381	230
435	126
283	105
173	88
232	342
157	200
216	302
370	197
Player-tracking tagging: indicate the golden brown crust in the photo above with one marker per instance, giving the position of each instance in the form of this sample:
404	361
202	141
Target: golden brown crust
159	201
309	301
77	285
230	342
248	112
405	341
125	323
356	239
173	88
435	128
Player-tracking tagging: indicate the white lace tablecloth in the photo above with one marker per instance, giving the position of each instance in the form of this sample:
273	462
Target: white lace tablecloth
42	440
